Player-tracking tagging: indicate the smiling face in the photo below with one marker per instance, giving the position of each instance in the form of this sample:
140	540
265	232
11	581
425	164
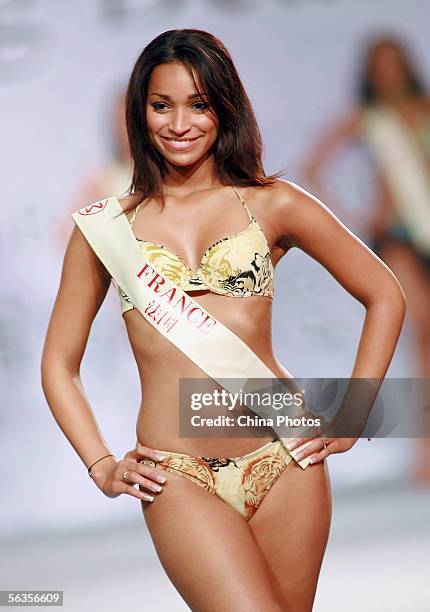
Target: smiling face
180	125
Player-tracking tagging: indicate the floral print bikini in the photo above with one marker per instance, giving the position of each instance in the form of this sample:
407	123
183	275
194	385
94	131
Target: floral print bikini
242	482
240	266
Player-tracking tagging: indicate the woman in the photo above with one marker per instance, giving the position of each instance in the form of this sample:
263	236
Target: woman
196	149
392	121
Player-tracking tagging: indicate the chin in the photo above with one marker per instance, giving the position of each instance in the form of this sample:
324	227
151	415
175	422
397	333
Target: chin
184	162
183	159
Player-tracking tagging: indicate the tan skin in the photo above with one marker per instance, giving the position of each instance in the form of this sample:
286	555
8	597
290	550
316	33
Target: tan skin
256	563
389	76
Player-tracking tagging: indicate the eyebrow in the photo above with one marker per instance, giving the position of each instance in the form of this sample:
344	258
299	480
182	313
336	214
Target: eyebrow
166	97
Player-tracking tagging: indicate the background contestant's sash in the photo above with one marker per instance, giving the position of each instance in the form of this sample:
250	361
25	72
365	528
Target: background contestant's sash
405	167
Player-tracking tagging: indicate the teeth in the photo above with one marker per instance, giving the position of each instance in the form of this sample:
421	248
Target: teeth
175	140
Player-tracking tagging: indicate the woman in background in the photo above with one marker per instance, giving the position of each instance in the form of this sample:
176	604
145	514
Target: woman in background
392	120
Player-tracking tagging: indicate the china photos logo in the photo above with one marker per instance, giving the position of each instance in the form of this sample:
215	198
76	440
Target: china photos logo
92	209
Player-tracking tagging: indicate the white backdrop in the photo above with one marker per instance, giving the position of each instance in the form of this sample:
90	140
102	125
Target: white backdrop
59	66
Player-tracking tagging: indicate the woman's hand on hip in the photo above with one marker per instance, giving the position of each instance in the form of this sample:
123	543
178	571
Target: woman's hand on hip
120	477
315	448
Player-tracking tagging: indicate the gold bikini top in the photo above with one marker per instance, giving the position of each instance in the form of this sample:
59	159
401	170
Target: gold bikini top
238	265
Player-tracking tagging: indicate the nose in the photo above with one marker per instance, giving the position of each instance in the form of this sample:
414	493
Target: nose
180	121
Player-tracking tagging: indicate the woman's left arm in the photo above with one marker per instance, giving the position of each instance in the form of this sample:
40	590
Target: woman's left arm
307	223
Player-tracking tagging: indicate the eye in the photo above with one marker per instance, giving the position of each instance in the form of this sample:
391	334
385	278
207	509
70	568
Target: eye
203	107
156	106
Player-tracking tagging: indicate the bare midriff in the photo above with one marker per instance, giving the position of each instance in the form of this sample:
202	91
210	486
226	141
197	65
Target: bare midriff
161	364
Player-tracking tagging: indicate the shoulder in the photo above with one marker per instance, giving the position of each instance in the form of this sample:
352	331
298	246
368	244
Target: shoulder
294	210
283	208
281	196
290	197
129	203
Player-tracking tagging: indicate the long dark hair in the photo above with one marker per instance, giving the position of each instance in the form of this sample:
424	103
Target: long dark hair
366	91
238	148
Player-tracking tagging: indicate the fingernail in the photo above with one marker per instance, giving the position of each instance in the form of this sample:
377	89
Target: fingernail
298	456
147	497
312	459
155	487
160	479
291	444
159	457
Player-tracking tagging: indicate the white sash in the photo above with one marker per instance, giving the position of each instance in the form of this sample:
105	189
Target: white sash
212	346
405	168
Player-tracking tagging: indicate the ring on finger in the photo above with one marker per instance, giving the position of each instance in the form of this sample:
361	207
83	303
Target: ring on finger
149	462
325	441
124	475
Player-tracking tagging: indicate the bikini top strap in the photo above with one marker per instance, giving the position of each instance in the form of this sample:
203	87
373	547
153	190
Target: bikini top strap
136	210
244	204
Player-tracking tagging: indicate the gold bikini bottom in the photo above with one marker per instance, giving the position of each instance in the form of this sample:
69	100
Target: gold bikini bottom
242	482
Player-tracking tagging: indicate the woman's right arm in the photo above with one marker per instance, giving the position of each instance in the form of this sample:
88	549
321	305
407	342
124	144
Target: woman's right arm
334	137
83	287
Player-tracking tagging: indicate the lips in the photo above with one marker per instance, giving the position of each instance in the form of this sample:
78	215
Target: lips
180	144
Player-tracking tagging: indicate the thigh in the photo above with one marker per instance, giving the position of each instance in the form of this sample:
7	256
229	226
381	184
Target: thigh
208	550
292	527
